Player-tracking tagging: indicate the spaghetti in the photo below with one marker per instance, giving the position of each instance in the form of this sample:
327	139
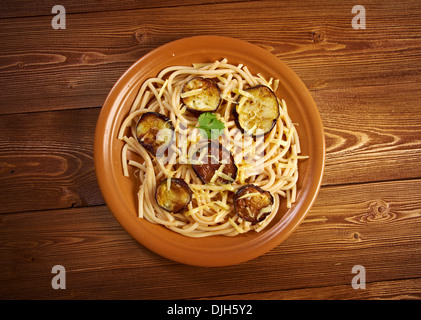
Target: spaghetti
269	162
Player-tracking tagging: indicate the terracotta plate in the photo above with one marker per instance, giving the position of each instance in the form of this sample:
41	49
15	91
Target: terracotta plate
120	192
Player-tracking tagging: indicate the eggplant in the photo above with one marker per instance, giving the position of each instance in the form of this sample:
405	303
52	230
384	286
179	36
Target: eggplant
207	164
257	112
155	132
252	203
201	95
174	199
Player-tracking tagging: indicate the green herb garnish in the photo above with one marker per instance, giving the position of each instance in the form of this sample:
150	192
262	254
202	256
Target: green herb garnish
210	127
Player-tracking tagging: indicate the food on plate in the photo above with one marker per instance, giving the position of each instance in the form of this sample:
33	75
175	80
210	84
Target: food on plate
210	126
201	95
211	149
154	132
214	164
252	203
257	110
173	194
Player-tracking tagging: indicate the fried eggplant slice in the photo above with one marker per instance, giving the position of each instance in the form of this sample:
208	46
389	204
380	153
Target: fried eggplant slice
252	203
257	111
155	132
201	95
174	198
214	164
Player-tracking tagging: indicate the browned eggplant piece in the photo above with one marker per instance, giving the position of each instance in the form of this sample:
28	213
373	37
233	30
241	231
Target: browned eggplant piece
252	203
201	95
155	132
207	164
174	199
257	113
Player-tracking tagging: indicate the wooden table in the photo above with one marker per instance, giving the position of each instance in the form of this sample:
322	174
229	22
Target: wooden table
365	82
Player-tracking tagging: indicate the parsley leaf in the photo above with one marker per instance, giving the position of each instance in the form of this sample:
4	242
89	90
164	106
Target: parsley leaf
210	127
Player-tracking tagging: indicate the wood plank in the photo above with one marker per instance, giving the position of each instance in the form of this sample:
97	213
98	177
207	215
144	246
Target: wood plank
376	225
409	289
50	167
46	160
372	133
46	69
21	8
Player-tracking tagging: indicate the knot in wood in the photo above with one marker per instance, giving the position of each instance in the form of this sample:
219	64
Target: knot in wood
317	36
70	198
140	35
379	210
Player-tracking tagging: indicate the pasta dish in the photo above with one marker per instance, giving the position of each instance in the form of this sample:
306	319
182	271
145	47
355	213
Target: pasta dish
213	149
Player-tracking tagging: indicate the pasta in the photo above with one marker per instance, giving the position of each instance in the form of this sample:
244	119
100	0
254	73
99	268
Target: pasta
269	162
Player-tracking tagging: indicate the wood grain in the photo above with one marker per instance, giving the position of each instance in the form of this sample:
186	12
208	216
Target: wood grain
45	69
364	82
21	8
46	160
376	225
372	133
385	290
47	163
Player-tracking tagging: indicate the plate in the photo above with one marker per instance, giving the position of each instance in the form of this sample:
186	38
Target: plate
119	192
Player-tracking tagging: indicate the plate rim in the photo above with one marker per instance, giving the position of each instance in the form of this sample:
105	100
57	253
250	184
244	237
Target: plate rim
102	134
